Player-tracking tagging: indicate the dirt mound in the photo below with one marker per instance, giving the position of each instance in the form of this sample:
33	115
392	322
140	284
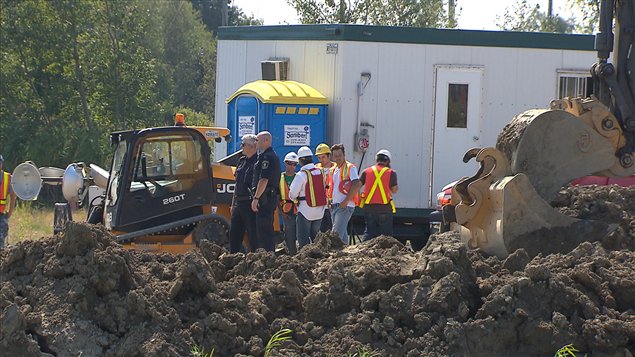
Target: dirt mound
81	292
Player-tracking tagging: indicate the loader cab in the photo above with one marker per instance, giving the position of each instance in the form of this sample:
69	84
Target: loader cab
157	176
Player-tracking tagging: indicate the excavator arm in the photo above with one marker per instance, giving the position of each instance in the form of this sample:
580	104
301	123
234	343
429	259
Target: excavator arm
614	85
505	206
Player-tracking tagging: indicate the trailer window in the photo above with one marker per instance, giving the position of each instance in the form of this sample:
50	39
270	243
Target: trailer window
574	85
457	105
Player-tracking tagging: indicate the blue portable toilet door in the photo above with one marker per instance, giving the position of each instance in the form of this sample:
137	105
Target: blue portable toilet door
246	115
293	126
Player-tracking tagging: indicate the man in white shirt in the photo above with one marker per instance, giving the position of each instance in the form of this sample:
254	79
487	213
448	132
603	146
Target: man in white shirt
308	188
346	186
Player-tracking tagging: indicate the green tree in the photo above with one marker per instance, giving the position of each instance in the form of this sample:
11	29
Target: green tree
190	56
216	13
524	17
418	13
590	10
71	71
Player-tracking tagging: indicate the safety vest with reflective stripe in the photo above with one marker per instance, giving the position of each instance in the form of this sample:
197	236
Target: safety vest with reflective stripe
328	178
314	190
377	193
286	205
345	175
4	192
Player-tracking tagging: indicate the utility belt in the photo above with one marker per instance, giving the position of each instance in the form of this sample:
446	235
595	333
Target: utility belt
241	198
268	194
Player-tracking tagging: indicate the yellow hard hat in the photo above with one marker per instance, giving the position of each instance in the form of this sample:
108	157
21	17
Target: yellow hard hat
322	149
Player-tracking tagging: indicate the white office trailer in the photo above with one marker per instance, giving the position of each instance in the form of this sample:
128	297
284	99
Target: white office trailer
427	95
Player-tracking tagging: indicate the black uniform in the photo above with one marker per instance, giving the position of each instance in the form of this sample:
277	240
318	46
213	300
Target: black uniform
243	218
267	166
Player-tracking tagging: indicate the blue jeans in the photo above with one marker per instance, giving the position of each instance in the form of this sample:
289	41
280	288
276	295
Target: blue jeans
377	224
4	229
340	217
306	230
290	234
326	224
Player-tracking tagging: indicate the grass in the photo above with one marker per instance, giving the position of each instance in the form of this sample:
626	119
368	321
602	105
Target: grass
274	342
31	221
363	353
200	352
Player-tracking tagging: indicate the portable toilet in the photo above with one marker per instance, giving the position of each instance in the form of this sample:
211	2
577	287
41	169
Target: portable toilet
294	113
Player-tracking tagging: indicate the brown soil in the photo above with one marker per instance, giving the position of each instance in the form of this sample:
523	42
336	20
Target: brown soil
79	293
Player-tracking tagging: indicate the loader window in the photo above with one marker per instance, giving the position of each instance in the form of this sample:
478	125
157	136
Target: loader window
167	164
115	171
457	105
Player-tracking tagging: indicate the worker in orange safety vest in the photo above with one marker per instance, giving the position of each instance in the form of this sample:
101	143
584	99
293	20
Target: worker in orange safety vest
344	191
323	153
380	183
289	207
308	188
7	202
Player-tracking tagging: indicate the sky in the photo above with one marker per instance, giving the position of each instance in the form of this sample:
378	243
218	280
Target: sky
473	14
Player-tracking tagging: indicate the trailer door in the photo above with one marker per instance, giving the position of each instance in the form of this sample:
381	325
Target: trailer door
457	113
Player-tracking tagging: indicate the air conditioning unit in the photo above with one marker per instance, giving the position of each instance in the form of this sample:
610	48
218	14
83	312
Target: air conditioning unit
275	70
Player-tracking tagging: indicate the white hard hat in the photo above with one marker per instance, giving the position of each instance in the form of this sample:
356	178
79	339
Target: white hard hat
385	153
291	157
305	151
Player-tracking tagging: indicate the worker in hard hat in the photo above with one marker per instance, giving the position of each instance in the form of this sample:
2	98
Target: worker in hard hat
323	153
380	183
308	188
289	207
344	191
7	203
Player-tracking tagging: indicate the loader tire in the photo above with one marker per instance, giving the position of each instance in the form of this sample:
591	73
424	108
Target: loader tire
212	230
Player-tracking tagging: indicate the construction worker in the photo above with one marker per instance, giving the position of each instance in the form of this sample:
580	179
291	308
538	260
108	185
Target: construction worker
344	191
266	190
242	217
323	153
380	183
7	203
289	207
308	188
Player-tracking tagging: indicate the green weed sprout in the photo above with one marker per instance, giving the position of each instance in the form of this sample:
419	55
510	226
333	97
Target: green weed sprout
200	352
276	340
567	351
363	353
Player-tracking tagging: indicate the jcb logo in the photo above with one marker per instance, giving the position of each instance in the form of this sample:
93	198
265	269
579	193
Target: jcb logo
177	198
226	188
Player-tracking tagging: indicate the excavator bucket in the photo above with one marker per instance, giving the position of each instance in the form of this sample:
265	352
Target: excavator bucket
505	206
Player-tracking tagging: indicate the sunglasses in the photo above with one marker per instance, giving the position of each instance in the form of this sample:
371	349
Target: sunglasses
290	163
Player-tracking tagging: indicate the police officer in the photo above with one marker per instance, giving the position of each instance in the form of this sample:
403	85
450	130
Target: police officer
242	217
266	191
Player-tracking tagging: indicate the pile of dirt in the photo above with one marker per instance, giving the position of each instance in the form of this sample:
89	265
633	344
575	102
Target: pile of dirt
79	292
